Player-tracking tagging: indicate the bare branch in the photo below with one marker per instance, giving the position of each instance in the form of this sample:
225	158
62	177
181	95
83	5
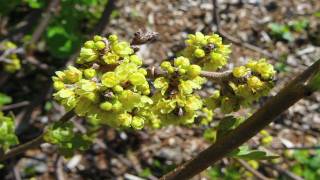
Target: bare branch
290	94
213	76
217	75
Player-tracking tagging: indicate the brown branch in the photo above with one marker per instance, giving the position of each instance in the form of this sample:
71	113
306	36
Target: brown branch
52	7
141	37
105	18
213	76
290	94
33	143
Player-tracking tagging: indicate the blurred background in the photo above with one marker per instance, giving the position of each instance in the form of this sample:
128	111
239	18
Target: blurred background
47	35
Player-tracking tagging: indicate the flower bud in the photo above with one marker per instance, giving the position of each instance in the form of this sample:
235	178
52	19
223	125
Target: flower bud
142	71
216	56
118	88
255	83
117	106
181	62
58	85
199	53
135	59
137	122
125	119
72	75
89	73
100	45
182	71
239	72
89	44
267	140
97	38
110	58
107	106
91	96
113	38
194	71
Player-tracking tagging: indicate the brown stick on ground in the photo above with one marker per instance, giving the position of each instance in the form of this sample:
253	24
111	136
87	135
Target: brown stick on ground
290	94
216	20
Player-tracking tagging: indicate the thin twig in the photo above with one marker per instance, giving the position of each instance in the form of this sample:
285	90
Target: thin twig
4	56
16	172
59	168
289	95
104	20
217	75
52	7
213	76
215	14
246	45
30	59
16	105
216	20
34	142
11	51
256	173
23	26
285	172
299	148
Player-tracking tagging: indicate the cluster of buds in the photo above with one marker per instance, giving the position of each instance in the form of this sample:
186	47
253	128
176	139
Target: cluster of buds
208	51
7	132
109	86
9	60
175	101
248	84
